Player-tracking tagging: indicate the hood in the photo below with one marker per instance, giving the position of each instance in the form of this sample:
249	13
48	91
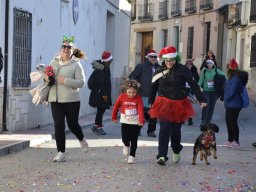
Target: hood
97	65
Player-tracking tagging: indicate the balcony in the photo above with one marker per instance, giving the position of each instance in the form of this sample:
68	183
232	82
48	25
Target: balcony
176	9
145	12
163	14
190	6
206	5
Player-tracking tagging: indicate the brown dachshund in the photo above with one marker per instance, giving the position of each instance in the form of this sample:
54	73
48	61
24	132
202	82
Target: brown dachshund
206	143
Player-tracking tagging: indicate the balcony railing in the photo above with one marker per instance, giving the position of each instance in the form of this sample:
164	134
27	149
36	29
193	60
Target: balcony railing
206	5
175	9
163	14
190	6
146	11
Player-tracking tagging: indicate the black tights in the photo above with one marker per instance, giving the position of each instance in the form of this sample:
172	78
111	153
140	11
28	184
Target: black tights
130	135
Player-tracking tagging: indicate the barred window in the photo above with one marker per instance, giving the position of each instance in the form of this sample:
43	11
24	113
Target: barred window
22	45
190	42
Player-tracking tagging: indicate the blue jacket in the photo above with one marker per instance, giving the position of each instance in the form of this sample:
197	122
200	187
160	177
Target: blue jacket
232	93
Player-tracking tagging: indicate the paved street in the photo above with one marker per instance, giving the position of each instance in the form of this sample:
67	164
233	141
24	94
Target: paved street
104	169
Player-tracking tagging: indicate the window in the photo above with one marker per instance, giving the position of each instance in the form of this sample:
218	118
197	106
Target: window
190	6
165	37
206	5
176	11
253	51
163	10
253	12
190	42
22	45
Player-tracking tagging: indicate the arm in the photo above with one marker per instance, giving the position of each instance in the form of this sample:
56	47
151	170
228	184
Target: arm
136	73
116	108
79	80
232	91
194	86
141	111
153	91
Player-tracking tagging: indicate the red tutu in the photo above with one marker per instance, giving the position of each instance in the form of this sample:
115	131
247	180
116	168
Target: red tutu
176	111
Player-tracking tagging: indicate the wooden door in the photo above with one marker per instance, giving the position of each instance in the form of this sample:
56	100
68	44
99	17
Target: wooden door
147	44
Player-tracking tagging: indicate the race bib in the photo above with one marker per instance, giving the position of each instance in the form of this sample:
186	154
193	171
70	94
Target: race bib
210	84
130	112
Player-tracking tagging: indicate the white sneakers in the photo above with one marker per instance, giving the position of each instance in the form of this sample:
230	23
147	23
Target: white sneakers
126	151
130	160
84	145
60	157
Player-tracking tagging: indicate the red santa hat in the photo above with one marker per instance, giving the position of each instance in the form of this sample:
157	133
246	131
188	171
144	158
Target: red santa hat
168	52
233	64
106	56
151	53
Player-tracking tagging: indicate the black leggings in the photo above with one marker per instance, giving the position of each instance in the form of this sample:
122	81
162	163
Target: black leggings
71	112
99	116
231	117
130	135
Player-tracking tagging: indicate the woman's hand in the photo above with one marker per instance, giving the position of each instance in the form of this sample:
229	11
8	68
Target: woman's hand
140	124
46	78
202	105
61	79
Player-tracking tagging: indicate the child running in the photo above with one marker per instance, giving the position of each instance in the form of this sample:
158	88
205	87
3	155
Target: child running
132	118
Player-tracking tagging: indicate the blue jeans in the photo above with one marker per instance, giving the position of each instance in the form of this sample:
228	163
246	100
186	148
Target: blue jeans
169	130
211	98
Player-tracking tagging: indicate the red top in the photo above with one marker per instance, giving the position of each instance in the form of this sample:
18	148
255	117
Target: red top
132	110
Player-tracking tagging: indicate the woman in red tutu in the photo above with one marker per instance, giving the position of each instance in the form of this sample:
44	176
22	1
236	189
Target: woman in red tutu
171	106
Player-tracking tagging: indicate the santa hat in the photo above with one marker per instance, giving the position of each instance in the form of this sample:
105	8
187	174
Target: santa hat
209	61
106	56
233	64
168	52
151	53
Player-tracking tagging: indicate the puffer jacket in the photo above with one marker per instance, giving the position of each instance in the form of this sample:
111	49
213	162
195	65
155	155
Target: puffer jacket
99	83
233	91
74	79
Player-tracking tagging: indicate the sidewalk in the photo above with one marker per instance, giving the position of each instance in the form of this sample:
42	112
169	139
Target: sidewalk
14	142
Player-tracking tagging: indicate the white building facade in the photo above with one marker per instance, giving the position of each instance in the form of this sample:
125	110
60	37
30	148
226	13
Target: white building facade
31	33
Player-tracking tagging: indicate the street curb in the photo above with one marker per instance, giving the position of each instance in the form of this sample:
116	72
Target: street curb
22	145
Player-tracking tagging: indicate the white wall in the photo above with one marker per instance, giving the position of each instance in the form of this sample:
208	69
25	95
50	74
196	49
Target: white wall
51	19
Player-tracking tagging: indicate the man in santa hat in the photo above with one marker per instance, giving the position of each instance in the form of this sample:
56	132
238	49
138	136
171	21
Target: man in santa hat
100	85
143	73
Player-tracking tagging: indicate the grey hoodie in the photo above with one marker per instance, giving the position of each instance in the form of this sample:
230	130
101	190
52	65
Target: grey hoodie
74	79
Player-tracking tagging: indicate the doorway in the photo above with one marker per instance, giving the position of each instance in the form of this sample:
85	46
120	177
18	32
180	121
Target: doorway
147	44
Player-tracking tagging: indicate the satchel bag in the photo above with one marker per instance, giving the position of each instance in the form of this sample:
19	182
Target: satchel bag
245	97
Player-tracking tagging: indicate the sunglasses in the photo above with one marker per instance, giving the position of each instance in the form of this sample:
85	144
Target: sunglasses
153	56
66	46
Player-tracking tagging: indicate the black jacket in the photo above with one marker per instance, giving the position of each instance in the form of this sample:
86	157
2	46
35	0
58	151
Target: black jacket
172	85
143	73
100	85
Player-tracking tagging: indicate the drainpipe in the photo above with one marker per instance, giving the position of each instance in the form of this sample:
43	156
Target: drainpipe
5	63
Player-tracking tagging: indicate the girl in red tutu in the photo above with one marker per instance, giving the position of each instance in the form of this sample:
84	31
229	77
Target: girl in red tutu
171	106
